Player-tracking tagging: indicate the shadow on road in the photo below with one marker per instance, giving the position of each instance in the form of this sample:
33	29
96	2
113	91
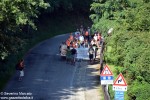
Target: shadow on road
47	77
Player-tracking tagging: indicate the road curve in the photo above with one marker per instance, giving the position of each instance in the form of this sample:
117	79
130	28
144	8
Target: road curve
47	77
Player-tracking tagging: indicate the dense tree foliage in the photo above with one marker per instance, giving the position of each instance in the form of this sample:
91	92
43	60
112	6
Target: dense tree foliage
129	44
17	13
14	16
20	18
69	5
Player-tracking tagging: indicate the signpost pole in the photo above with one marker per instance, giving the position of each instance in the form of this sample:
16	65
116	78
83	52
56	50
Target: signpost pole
119	87
105	78
101	56
107	87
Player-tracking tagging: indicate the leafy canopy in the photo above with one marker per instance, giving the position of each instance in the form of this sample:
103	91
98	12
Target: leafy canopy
17	13
129	44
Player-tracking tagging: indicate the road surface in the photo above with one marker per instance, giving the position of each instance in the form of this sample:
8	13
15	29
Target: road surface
47	77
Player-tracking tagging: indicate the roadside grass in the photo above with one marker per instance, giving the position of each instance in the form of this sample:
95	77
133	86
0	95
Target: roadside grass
48	27
111	92
101	92
100	87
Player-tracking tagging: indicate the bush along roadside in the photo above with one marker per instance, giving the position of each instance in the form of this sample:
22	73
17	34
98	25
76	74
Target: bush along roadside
131	50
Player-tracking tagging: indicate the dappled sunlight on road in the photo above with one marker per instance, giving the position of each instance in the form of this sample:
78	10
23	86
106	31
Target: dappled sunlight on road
48	77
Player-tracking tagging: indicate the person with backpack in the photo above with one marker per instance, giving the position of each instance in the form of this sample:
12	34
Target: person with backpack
20	67
91	53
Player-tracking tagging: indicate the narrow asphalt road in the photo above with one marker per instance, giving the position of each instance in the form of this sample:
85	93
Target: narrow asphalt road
47	77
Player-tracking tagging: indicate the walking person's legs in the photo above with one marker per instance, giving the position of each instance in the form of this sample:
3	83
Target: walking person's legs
91	58
21	75
73	59
95	54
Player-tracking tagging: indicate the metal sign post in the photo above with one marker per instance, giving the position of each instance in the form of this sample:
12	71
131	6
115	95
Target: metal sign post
119	87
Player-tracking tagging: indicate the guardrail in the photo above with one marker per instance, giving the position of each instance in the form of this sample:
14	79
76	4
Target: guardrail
102	63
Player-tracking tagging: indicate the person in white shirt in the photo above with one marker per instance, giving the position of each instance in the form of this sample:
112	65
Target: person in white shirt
95	37
93	42
81	39
95	47
63	49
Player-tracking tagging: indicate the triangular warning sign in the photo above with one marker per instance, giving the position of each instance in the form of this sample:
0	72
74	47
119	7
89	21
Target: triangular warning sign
106	71
120	81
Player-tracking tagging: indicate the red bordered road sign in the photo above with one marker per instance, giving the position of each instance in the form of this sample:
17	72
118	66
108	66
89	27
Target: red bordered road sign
106	71
120	83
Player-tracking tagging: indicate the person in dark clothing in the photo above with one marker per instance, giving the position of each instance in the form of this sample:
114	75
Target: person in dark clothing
91	53
68	55
74	54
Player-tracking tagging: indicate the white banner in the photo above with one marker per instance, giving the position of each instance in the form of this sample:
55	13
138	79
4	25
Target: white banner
82	53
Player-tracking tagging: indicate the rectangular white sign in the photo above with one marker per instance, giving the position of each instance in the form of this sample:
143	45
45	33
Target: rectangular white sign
119	88
104	82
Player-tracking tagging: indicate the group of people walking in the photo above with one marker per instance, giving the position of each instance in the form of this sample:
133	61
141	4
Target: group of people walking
82	38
